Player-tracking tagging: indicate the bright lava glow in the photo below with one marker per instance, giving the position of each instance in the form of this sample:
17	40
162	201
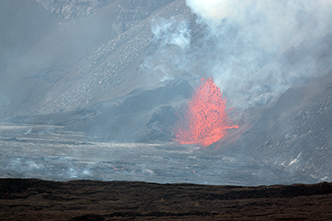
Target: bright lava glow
206	119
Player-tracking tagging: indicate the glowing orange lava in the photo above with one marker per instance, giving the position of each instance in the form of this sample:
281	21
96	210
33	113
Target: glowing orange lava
206	119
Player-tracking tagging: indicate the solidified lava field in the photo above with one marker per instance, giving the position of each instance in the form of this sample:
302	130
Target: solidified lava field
250	155
72	156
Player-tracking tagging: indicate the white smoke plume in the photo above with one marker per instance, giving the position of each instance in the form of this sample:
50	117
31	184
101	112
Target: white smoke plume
263	47
169	31
172	38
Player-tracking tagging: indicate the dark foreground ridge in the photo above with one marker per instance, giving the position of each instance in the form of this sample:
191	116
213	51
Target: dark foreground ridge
31	199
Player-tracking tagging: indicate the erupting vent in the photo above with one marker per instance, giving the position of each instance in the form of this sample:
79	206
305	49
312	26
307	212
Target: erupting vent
206	119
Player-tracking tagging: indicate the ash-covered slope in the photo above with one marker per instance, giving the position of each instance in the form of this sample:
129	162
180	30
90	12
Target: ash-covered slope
140	116
295	133
69	9
119	72
85	60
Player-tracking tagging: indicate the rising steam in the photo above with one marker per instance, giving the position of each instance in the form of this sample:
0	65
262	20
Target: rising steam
169	31
261	48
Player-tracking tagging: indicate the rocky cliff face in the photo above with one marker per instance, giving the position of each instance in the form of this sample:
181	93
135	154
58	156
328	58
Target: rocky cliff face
118	71
82	61
69	9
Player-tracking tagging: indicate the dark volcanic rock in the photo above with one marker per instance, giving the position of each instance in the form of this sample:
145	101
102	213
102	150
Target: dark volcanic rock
96	67
92	200
141	116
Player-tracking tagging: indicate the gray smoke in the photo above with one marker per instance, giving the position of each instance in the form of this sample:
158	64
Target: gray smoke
170	31
172	39
255	50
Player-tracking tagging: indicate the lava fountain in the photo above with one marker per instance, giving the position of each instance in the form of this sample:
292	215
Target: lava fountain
206	119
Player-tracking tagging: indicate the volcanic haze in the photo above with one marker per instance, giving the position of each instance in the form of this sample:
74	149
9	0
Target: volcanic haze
89	86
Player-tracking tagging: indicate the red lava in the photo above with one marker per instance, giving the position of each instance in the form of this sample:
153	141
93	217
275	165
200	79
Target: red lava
206	119
114	168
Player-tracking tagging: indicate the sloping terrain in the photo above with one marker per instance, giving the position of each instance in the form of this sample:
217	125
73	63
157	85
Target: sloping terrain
140	116
92	90
83	61
295	133
89	87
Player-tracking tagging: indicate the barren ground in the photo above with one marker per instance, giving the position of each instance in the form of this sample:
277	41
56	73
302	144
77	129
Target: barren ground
30	199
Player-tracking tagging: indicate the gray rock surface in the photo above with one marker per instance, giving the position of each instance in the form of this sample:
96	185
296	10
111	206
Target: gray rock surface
95	71
69	9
